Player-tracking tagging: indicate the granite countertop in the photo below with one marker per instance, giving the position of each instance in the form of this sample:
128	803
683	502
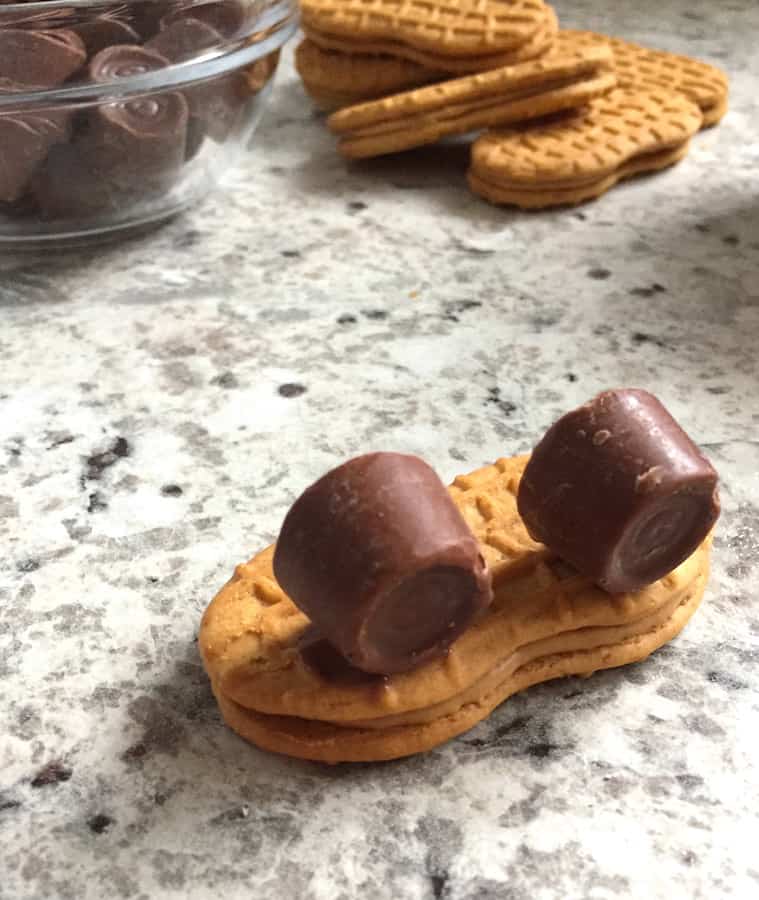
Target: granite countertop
163	402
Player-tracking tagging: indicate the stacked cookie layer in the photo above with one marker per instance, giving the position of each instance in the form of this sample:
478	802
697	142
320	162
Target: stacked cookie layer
440	35
397	65
546	621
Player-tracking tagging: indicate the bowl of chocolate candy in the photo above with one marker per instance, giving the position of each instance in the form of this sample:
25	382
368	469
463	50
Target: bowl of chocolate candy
117	115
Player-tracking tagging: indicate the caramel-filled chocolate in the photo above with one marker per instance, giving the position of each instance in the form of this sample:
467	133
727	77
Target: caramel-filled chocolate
184	39
225	16
124	61
145	15
380	559
32	60
619	490
70	186
137	144
218	103
105	31
25	141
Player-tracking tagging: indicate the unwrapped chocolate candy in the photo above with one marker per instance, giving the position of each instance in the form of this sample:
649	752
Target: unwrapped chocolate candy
225	16
69	186
33	60
105	31
184	39
218	103
618	490
380	559
25	141
138	143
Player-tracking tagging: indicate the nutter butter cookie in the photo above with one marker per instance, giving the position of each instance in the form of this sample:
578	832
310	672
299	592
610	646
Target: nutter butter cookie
334	79
579	156
502	96
451	35
646	68
287	684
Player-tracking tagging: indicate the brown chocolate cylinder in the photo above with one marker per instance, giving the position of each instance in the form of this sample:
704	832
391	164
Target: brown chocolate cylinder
618	489
105	31
124	61
380	559
225	16
184	39
145	15
32	60
217	104
25	141
70	186
138	143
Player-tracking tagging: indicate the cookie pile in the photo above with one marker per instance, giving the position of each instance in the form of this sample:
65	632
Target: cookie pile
566	114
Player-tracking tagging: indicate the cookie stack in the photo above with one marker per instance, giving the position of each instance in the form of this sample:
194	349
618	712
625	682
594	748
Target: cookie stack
406	73
358	50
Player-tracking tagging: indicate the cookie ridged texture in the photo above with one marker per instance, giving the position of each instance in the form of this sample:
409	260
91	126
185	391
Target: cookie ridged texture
452	27
327	742
589	145
352	78
644	67
502	97
544	195
538	44
497	83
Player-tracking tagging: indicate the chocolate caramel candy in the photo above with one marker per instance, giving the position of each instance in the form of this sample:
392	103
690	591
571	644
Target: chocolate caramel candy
25	141
69	186
32	60
105	31
184	39
137	143
377	555
225	16
145	15
618	490
217	104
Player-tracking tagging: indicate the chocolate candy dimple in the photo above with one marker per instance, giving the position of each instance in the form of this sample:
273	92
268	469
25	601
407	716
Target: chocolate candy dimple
379	558
31	60
619	490
124	61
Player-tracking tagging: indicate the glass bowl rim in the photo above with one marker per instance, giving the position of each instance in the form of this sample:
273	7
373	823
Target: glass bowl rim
235	54
50	5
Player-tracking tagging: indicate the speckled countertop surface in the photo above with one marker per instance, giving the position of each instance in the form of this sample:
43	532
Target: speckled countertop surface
162	403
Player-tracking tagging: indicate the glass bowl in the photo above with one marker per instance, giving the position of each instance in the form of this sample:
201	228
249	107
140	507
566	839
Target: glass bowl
117	115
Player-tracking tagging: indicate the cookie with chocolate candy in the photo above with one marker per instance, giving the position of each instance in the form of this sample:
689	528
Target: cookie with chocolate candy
337	675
